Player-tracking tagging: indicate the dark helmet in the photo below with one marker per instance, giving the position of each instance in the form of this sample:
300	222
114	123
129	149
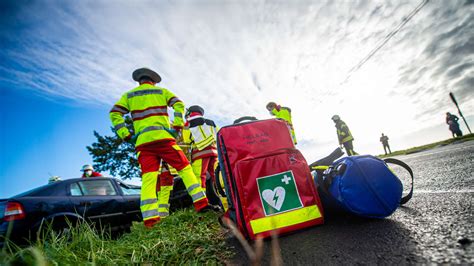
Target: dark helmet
195	108
141	73
335	118
270	106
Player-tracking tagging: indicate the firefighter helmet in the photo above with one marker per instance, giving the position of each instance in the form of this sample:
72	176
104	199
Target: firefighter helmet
195	108
143	72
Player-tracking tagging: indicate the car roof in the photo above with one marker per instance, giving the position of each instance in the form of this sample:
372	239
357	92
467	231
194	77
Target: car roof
66	182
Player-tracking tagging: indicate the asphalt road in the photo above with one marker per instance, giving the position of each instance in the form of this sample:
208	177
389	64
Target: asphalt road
436	226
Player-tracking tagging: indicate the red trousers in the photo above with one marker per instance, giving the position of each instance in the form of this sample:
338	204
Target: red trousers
203	166
150	156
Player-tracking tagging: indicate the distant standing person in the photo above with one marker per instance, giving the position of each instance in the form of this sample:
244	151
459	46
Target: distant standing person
282	113
344	135
452	121
88	171
384	140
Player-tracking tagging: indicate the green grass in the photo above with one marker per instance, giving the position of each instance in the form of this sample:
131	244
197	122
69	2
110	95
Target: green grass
430	146
185	237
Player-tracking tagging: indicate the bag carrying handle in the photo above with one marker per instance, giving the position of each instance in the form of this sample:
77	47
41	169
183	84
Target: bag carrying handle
319	180
406	167
326	176
328	160
245	118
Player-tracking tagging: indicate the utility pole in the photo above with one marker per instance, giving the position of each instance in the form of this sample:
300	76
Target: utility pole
459	110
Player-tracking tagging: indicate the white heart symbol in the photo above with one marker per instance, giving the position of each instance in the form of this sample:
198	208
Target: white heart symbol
274	197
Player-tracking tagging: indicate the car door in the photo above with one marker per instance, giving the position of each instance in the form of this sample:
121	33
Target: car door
98	200
131	195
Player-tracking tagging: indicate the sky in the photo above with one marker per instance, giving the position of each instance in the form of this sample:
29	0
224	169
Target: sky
63	64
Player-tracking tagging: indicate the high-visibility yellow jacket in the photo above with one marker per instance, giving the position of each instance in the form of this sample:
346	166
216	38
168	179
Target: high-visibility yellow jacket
201	134
343	132
148	106
285	114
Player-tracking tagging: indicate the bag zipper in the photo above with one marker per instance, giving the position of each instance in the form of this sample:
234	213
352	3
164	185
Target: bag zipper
234	188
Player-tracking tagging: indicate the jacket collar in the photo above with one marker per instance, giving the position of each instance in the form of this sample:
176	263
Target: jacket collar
194	115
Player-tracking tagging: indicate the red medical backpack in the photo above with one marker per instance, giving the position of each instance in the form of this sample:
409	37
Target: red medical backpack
267	181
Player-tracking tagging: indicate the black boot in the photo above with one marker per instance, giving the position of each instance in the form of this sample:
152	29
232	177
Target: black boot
211	208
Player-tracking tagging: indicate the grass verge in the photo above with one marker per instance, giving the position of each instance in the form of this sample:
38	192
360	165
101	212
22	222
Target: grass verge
185	237
430	146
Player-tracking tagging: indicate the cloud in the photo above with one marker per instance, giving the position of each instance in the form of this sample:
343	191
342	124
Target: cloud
233	57
466	88
445	62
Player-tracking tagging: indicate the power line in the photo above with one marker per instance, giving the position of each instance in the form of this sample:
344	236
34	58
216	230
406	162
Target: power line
385	40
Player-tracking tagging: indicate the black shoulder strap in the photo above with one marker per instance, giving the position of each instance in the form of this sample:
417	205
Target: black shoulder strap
404	165
217	181
320	181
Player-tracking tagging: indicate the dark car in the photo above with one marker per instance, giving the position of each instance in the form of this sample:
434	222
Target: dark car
103	202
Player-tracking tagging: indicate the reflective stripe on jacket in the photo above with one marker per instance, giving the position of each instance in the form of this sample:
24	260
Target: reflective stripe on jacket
200	133
206	152
343	132
148	106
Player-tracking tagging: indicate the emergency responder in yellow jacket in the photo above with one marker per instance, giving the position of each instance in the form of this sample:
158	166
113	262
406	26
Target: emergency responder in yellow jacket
282	113
344	135
201	134
154	139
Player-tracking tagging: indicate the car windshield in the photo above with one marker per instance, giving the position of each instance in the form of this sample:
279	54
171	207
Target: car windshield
129	189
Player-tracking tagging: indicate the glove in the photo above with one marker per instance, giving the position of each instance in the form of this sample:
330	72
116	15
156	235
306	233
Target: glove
177	129
132	139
